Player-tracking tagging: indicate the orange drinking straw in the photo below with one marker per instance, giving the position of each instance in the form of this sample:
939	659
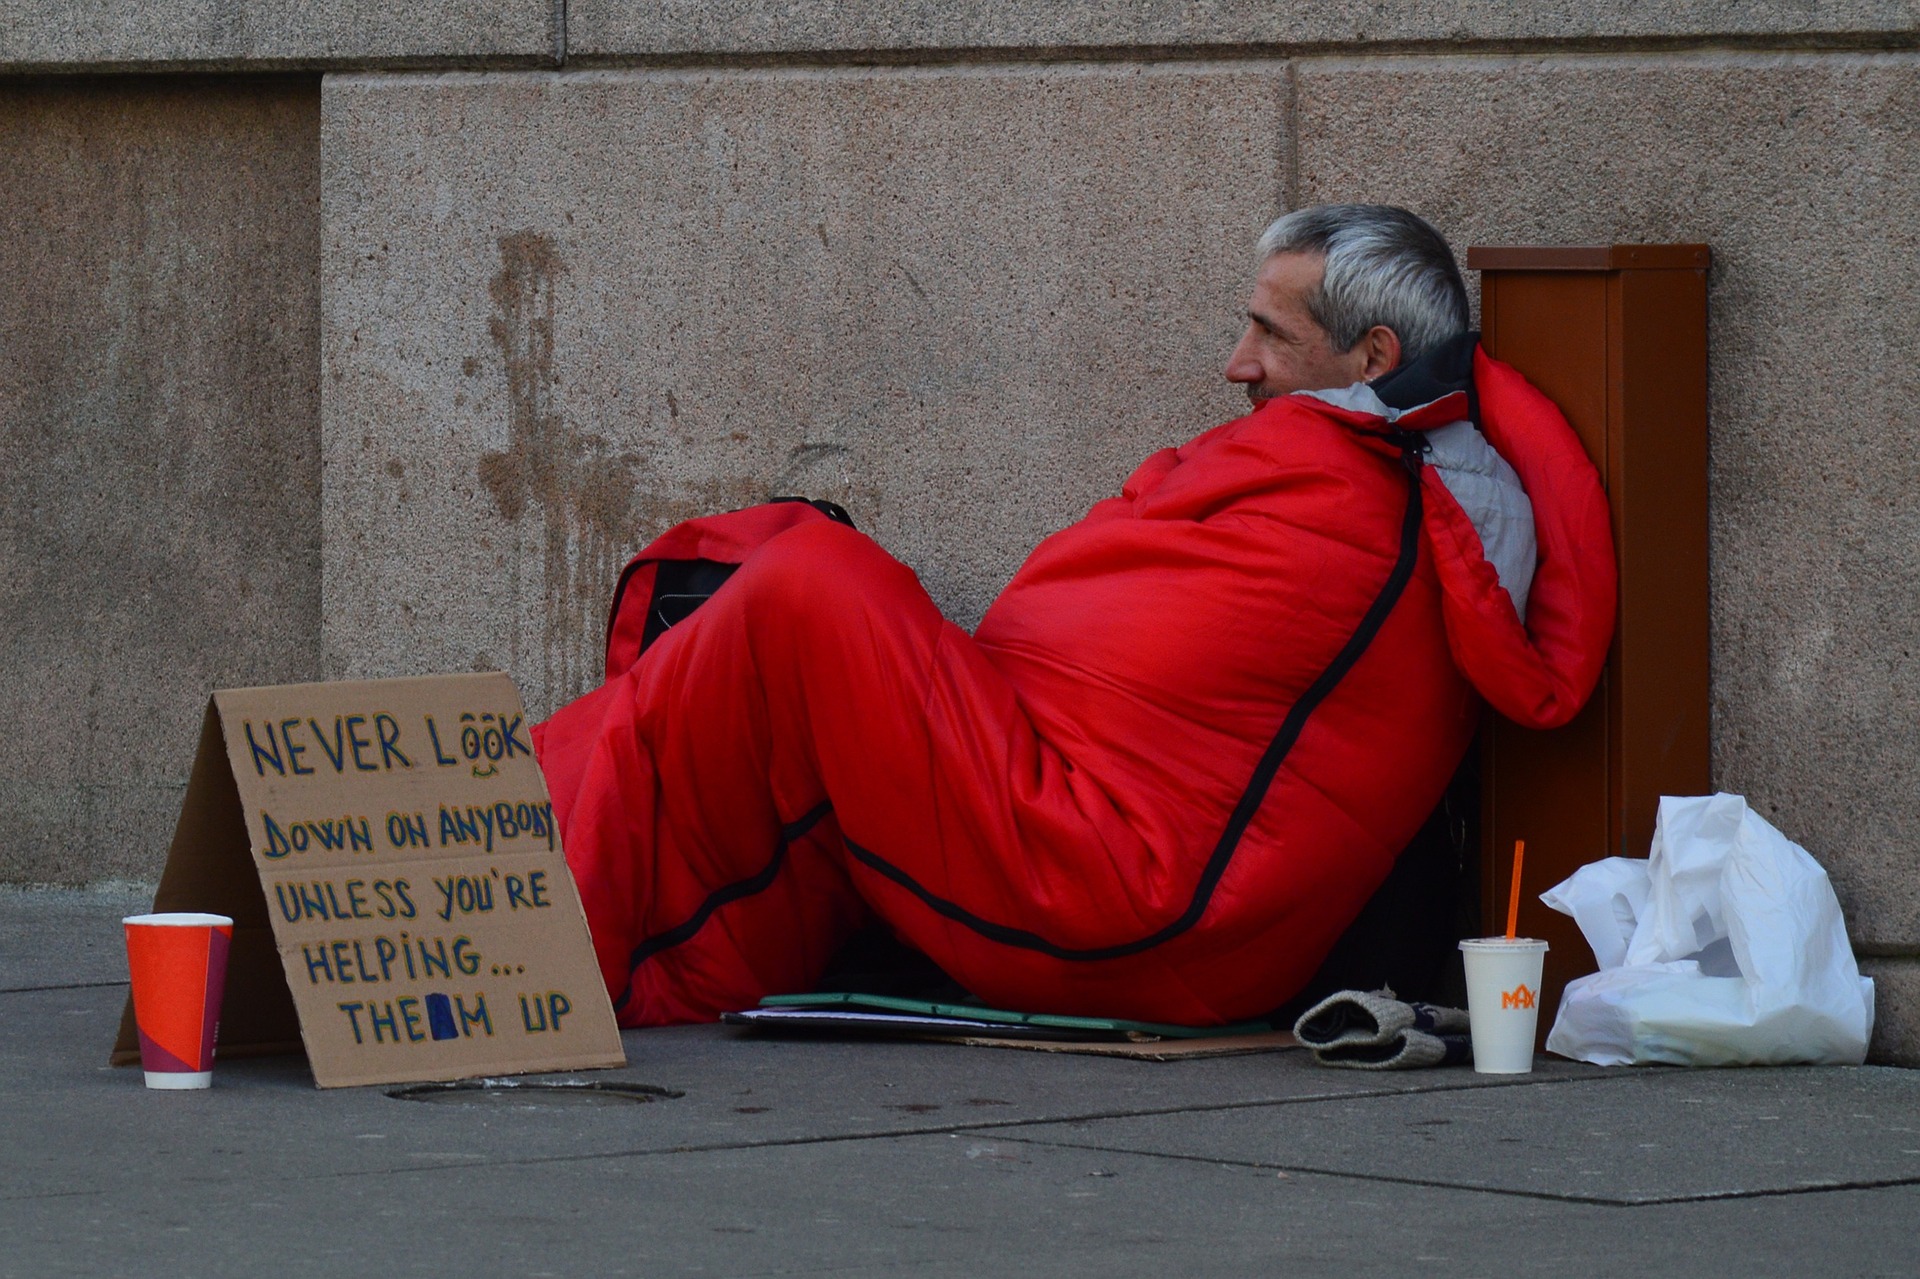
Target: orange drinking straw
1513	900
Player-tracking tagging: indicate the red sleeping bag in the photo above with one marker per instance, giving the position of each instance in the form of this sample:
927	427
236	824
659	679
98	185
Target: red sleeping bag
1177	757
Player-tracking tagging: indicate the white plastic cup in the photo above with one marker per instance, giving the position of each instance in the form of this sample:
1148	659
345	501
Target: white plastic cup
1503	1001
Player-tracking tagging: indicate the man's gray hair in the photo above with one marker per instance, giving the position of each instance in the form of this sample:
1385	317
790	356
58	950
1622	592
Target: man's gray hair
1384	266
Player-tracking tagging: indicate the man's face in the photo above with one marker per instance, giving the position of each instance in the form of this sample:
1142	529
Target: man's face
1284	348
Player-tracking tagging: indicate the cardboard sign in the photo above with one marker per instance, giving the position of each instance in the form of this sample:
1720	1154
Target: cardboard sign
401	906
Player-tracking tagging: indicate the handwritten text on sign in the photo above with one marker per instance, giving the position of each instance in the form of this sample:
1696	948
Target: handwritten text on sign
361	743
413	874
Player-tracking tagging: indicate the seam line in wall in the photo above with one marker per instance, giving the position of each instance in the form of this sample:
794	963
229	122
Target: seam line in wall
1290	137
869	59
1739	45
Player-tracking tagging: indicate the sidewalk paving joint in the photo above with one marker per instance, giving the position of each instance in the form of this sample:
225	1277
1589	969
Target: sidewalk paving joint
1607	1201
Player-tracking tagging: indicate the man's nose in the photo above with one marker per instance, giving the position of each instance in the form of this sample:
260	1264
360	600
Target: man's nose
1244	365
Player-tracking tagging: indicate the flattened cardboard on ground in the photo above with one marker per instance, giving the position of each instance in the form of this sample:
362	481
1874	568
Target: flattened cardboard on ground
932	1021
1149	1049
392	843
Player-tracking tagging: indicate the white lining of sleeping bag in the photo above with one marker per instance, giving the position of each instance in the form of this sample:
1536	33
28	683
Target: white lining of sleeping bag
1487	489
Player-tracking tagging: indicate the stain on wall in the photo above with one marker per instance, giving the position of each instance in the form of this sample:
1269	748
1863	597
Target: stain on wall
565	486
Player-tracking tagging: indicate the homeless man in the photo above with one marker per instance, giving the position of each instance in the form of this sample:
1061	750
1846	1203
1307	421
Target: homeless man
1186	742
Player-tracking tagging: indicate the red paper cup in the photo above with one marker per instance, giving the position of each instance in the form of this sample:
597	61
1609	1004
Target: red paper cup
179	967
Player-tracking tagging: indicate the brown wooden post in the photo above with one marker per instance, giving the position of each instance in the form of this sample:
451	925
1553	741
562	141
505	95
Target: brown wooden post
1617	336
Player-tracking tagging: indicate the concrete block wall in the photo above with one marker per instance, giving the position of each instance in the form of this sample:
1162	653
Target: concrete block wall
956	266
159	444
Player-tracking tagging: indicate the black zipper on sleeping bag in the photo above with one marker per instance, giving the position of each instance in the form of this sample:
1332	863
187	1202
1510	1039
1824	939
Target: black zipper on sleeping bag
1412	447
758	882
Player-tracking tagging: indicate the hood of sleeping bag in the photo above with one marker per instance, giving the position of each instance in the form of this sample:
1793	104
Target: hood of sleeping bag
1487	490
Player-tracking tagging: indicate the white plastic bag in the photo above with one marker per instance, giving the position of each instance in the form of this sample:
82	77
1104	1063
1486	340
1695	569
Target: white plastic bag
1725	947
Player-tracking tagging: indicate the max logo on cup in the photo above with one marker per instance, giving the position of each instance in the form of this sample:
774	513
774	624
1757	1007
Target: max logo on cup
1518	997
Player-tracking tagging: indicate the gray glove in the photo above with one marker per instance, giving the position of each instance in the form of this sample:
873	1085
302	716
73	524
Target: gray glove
1362	1030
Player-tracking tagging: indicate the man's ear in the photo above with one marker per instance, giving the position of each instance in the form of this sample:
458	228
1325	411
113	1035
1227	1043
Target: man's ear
1381	346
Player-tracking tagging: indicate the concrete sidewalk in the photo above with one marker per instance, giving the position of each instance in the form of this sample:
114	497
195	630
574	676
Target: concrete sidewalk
777	1156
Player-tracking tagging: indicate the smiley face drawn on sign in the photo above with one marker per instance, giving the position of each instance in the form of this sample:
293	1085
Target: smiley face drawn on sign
484	740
